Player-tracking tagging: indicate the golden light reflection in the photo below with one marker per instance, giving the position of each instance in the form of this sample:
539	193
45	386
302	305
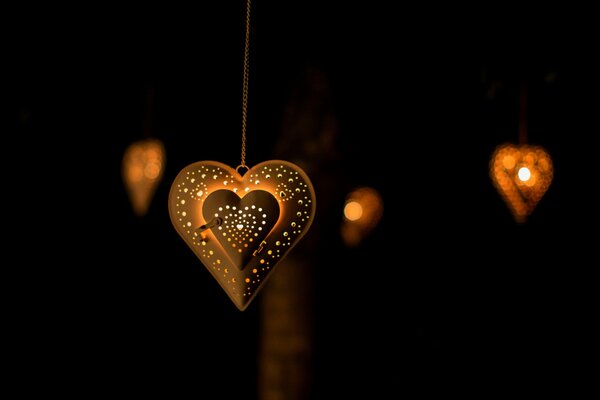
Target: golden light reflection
142	170
362	211
522	175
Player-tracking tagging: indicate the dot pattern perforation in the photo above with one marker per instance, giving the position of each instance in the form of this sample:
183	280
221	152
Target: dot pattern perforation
244	222
261	216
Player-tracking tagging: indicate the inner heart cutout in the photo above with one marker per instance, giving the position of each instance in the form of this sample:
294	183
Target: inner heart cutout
246	221
265	213
522	175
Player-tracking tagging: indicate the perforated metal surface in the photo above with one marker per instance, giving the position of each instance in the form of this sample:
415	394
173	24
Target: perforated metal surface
240	227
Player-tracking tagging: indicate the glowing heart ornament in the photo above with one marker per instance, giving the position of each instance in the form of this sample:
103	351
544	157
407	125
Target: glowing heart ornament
522	174
240	227
142	170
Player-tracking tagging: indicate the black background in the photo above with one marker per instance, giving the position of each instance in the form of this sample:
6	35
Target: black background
448	295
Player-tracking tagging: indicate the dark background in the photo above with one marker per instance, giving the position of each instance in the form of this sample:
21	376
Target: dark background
448	295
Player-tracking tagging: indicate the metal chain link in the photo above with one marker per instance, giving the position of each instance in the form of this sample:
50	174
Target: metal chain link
245	85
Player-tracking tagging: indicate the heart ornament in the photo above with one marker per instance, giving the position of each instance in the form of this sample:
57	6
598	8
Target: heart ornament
142	169
240	227
522	175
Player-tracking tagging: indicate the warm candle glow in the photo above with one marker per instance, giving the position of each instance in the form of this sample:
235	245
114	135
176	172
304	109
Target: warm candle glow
353	210
362	212
524	174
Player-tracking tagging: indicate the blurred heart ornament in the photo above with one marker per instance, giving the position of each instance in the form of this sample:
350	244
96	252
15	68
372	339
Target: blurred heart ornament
142	170
241	226
522	175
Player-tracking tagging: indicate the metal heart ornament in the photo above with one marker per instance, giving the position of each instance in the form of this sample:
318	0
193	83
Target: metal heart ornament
240	227
522	175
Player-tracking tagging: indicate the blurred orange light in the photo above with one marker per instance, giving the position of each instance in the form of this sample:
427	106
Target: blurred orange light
142	169
353	211
362	211
522	175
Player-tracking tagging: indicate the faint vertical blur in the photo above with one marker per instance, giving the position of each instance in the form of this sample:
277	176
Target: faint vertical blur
286	339
286	352
362	211
142	170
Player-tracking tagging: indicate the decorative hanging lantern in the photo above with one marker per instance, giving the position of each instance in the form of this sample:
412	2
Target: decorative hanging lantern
362	211
522	174
240	227
142	170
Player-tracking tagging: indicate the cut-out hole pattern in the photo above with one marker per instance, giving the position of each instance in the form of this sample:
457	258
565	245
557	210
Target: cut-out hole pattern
264	214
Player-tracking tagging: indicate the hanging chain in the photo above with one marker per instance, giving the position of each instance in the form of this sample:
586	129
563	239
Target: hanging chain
245	85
